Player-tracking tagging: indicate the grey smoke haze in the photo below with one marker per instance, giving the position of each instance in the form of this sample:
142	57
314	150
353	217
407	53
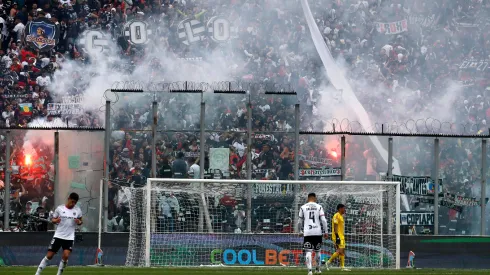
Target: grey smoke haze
387	101
222	64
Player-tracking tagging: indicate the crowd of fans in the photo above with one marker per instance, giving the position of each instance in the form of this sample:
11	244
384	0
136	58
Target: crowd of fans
412	55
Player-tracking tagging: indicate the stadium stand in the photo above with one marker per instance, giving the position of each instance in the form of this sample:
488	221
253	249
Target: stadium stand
275	47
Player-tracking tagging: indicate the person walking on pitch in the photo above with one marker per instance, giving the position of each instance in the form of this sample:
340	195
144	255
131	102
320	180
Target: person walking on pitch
338	237
312	224
67	217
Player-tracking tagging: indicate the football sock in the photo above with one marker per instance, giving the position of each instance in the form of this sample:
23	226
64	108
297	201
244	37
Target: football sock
342	261
308	260
61	267
318	256
42	265
334	255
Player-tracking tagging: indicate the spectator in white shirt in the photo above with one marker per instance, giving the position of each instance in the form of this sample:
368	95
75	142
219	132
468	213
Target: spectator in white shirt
43	80
8	113
240	147
19	29
194	169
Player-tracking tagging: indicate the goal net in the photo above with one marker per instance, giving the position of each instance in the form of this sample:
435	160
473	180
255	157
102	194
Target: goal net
187	222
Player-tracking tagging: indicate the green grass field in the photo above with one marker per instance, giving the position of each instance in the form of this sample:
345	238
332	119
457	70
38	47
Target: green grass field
222	271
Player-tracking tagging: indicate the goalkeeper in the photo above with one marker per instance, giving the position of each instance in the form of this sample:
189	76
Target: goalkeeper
338	237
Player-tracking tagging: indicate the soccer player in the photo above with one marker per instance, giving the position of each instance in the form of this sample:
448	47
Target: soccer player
338	237
67	217
313	225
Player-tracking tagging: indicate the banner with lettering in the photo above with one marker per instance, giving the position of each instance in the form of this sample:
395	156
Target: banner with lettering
261	189
314	161
442	202
392	27
474	65
188	154
263	137
64	109
426	21
462	201
72	99
417	218
16	96
327	172
416	186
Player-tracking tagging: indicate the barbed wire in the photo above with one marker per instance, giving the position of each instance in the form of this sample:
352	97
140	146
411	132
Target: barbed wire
157	87
422	126
224	86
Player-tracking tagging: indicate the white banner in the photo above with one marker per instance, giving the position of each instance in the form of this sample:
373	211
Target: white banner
392	27
315	160
263	137
422	20
72	99
417	218
417	186
219	158
273	189
64	109
474	65
327	172
191	31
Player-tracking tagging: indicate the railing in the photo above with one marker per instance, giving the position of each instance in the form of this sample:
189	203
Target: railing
211	126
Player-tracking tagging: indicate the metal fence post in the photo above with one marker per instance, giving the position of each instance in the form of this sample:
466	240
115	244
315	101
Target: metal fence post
201	161
483	186
154	108
202	140
436	186
389	176
342	158
249	165
296	141
107	142
6	200
56	161
296	164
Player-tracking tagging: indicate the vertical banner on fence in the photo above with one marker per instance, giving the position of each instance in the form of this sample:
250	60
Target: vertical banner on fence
392	27
219	158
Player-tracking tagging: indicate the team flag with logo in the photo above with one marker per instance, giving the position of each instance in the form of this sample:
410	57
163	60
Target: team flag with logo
25	109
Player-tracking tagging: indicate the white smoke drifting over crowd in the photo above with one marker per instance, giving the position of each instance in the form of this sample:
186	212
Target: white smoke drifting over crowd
361	86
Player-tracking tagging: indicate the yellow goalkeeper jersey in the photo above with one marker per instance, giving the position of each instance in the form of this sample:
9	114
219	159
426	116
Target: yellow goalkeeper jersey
338	220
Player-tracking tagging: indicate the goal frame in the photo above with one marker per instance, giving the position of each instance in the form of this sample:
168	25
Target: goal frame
148	188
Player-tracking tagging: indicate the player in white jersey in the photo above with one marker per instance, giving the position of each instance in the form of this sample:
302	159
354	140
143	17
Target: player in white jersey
67	217
312	224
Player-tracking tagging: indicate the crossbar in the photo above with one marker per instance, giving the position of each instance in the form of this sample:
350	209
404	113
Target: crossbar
394	183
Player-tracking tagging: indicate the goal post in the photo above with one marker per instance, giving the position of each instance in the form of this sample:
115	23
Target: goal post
166	222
